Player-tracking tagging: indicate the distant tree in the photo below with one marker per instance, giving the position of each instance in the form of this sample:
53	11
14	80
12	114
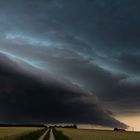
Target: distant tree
119	129
115	129
74	126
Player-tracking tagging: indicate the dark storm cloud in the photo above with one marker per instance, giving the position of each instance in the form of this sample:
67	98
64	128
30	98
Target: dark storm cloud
104	24
91	43
117	90
107	27
130	62
27	99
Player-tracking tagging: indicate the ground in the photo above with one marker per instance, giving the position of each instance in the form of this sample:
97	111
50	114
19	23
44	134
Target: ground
82	134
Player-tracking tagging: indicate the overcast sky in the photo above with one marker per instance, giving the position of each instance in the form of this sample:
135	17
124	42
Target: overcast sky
69	61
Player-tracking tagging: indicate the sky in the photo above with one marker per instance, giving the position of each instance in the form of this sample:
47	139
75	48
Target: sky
67	61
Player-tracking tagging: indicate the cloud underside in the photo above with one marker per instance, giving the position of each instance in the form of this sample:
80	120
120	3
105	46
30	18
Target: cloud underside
91	43
26	99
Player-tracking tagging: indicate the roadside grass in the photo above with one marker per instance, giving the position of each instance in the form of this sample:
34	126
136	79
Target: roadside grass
59	135
13	133
32	135
83	134
47	136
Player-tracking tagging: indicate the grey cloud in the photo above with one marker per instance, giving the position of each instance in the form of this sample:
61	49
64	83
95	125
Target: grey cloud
113	89
103	23
130	62
81	32
26	99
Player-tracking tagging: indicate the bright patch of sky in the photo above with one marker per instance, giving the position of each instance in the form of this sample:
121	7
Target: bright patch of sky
18	59
25	39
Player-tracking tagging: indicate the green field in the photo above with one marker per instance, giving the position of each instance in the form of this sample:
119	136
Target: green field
83	134
13	133
59	135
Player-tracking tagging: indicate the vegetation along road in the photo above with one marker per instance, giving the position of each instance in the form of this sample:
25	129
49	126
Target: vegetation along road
83	134
55	133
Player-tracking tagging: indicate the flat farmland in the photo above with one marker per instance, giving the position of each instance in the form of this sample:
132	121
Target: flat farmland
84	134
13	133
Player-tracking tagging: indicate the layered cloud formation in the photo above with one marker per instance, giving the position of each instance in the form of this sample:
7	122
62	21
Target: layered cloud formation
73	53
38	97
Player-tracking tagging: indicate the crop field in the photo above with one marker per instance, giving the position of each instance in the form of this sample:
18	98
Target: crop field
13	133
83	134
